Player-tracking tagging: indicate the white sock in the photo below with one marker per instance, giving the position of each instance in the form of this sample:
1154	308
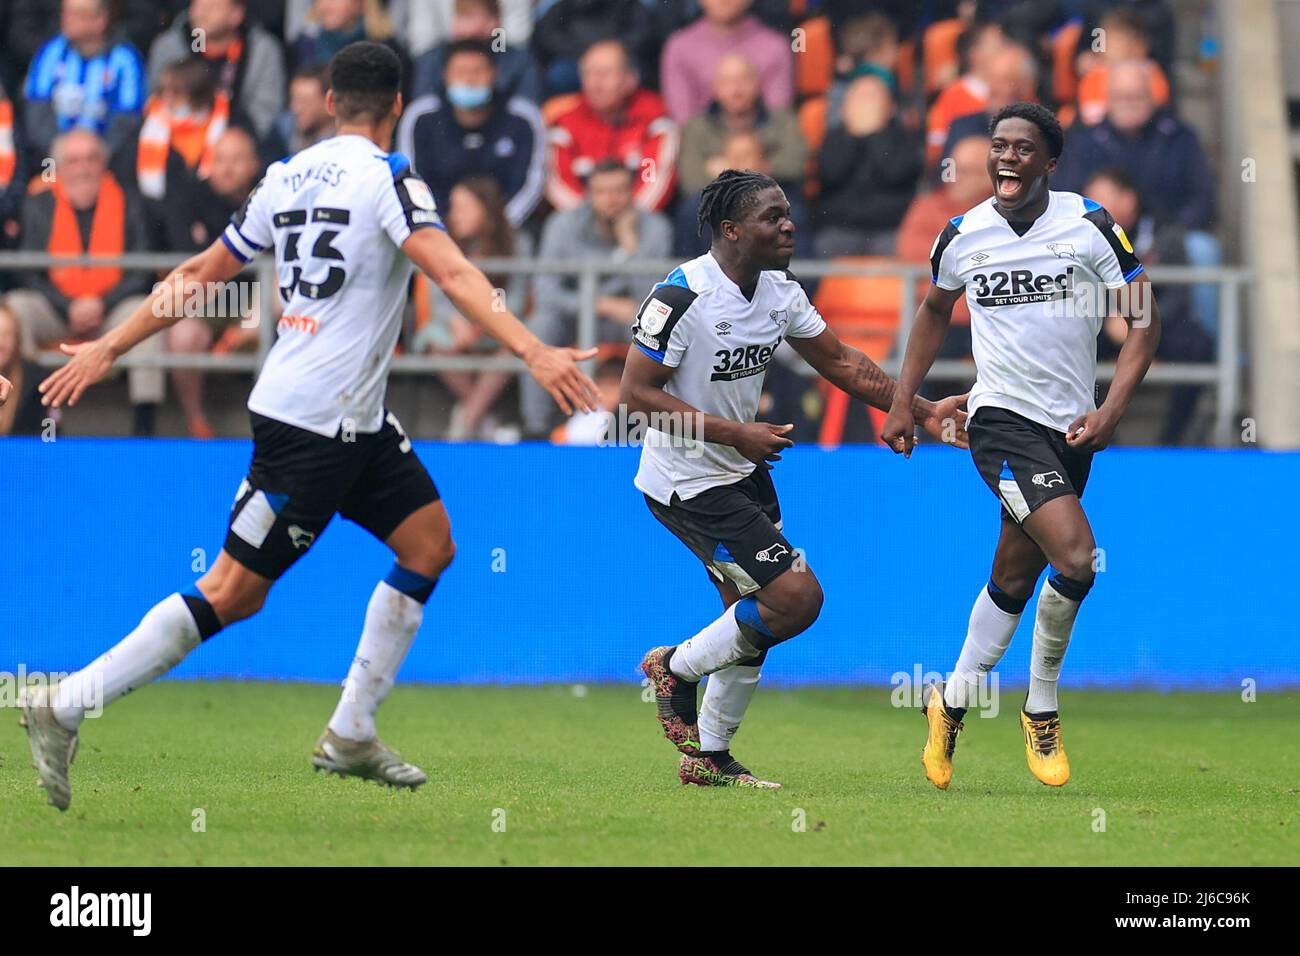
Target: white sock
717	646
159	642
1052	627
726	698
987	638
392	618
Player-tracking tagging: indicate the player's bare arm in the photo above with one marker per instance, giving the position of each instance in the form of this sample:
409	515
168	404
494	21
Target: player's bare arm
852	371
437	256
928	331
643	391
5	388
91	361
1093	431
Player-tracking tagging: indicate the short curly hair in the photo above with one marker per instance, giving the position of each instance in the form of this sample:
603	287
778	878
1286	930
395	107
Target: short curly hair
1041	117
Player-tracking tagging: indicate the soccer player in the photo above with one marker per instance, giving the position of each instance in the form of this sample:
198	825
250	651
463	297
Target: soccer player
704	338
346	220
1040	271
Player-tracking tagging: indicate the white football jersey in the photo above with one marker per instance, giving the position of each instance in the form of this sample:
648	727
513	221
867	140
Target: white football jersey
698	322
1037	301
336	214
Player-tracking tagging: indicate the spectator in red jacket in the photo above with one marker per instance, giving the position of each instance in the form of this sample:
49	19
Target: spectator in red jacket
615	119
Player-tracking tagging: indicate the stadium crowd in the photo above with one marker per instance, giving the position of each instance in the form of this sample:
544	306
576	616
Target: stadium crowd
580	130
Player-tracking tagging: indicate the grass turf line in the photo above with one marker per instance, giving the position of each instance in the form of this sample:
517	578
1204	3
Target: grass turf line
1182	779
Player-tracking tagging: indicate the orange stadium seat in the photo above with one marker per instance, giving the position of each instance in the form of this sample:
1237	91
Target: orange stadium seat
1065	81
812	124
939	53
865	312
815	66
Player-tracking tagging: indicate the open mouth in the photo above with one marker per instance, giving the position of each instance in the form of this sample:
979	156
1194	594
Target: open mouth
1009	184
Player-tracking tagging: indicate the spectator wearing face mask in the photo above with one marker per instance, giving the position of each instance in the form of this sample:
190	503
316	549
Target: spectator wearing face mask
474	132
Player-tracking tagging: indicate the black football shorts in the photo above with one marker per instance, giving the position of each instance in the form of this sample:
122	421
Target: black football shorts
299	480
1024	463
734	529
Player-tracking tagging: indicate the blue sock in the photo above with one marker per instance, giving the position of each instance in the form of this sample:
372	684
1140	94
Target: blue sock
413	585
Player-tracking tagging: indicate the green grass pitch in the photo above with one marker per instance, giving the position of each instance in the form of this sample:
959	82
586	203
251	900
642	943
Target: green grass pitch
585	778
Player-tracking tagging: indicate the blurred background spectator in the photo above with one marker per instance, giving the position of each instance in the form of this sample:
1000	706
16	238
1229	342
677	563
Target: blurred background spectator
85	211
307	121
477	220
691	55
868	169
607	226
1185	335
475	132
516	71
567	28
86	76
615	118
182	124
1012	78
333	24
194	220
1162	154
1127	38
965	184
767	140
246	61
969	93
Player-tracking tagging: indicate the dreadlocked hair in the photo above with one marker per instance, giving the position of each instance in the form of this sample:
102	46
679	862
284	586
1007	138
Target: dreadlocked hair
729	195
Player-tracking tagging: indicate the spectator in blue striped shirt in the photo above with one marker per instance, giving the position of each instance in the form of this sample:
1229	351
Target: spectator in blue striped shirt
84	77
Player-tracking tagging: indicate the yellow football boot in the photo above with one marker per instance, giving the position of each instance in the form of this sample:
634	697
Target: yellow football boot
1044	749
939	745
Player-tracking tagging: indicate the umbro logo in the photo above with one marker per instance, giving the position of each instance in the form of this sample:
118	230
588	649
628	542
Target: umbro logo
724	328
979	257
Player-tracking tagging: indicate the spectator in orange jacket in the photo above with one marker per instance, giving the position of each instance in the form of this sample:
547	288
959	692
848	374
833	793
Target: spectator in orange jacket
615	119
85	211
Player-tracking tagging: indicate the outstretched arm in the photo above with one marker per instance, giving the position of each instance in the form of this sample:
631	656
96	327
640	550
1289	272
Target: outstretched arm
92	360
1093	431
928	331
643	392
850	370
437	256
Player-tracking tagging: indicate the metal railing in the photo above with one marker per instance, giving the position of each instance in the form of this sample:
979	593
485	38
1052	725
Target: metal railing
1224	374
